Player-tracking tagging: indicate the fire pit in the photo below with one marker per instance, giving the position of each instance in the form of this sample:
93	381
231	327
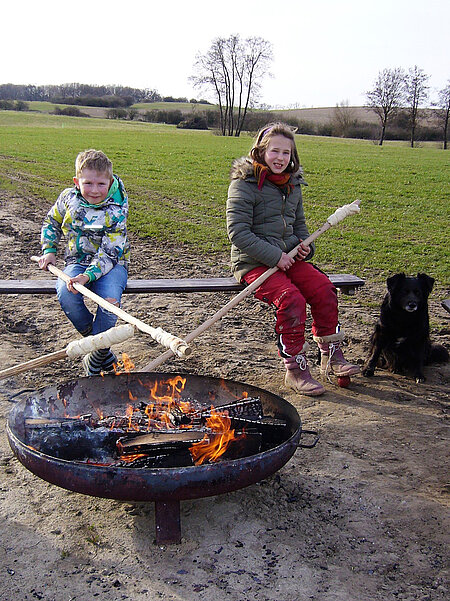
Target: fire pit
97	436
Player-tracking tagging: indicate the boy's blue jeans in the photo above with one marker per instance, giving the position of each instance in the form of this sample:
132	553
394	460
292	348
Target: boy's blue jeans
109	287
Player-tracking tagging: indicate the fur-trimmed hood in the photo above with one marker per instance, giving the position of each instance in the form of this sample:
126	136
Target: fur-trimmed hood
243	169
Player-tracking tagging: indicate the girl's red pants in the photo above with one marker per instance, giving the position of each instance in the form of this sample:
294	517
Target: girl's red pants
289	292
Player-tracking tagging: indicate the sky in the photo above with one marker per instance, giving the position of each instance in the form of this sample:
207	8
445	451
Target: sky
326	52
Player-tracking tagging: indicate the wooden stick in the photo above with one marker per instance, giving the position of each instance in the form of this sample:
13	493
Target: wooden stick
72	350
177	346
337	216
33	364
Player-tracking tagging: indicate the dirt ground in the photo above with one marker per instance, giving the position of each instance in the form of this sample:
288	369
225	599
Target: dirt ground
362	517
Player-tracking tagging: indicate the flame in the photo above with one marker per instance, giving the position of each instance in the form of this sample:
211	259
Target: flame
167	391
124	365
166	394
129	413
130	458
212	448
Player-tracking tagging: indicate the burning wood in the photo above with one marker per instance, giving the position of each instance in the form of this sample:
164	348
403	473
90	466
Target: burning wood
169	434
156	441
246	407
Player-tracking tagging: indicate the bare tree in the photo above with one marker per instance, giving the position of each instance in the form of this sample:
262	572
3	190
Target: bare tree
416	91
443	111
233	69
386	96
343	118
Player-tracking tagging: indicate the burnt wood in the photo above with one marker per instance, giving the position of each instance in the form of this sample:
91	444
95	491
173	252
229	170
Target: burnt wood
156	441
346	282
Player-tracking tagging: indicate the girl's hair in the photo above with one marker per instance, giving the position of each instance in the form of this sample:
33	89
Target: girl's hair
262	142
93	159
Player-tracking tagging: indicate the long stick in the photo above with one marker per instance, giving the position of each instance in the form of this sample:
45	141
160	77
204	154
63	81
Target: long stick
76	348
332	220
177	346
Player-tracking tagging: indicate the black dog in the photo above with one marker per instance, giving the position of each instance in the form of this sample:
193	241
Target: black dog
402	334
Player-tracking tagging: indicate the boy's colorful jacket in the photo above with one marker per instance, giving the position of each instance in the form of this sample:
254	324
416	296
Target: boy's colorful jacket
96	234
262	223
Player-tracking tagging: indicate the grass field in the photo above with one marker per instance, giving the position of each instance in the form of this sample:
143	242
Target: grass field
185	107
177	182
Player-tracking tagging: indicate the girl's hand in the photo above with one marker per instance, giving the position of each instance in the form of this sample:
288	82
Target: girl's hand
303	251
79	279
47	259
285	262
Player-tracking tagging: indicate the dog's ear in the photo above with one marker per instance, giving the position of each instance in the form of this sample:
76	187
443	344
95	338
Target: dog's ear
394	281
426	282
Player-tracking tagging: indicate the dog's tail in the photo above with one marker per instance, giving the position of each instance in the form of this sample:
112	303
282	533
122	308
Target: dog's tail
438	354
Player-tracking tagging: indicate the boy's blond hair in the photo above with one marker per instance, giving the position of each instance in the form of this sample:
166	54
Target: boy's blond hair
262	142
93	159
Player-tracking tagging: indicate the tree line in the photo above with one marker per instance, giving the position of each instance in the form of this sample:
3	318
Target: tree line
86	95
396	91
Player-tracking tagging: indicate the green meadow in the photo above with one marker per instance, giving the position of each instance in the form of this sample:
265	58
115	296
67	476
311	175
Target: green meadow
177	184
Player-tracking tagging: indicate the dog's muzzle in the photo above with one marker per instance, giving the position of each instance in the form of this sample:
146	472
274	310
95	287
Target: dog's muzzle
411	307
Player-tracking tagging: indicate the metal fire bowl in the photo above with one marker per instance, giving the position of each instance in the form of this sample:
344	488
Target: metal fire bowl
165	486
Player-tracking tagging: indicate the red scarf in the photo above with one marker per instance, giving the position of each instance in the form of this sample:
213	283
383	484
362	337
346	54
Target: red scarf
262	172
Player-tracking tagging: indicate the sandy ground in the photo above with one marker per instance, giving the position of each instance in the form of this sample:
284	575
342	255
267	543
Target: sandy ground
363	516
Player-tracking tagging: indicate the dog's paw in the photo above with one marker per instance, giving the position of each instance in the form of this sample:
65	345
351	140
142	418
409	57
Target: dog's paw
368	372
420	378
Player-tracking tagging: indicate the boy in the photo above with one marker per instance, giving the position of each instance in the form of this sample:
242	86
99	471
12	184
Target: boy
93	217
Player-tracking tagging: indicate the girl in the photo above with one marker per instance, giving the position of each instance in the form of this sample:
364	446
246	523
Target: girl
265	221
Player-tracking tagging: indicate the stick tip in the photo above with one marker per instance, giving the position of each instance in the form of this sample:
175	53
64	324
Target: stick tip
183	350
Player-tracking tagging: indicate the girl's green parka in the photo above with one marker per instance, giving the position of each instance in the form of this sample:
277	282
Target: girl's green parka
262	223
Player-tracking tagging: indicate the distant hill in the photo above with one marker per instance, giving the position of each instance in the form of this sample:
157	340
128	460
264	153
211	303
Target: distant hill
325	115
315	116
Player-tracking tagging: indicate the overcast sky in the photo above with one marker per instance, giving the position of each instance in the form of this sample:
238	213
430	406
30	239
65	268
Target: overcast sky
325	51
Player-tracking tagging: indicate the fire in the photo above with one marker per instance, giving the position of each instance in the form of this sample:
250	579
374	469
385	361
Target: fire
165	401
168	391
124	365
166	410
131	458
166	395
211	448
129	413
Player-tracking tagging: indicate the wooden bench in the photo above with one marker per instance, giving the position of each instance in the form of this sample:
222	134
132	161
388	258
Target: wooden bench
347	283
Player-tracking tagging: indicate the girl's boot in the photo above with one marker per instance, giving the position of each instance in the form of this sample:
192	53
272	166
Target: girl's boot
332	358
298	376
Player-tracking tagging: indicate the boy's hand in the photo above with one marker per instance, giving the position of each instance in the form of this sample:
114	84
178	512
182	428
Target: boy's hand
303	251
285	262
79	279
47	259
